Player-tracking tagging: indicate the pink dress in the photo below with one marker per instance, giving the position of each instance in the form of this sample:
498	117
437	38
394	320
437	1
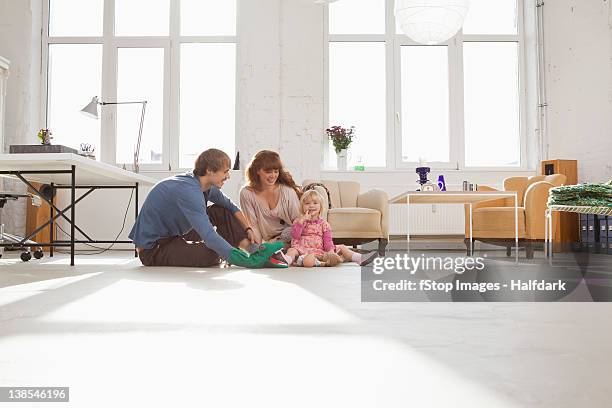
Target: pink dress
312	237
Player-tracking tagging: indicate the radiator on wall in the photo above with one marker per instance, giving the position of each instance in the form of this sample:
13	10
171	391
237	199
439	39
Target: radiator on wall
427	219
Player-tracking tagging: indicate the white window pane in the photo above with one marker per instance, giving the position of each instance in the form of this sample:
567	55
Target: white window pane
208	100
425	104
357	17
140	76
357	97
491	17
208	17
491	104
70	87
142	17
62	21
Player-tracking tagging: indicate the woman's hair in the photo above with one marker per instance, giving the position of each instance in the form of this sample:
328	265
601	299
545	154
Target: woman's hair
268	160
211	159
309	194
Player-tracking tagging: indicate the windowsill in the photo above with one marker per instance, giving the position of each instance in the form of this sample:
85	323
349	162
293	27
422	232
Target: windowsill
179	171
433	170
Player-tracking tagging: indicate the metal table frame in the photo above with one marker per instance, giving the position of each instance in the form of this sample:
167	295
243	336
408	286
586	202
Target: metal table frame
55	212
579	209
445	199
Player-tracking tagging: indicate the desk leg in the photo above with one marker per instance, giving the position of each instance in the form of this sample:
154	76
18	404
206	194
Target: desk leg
51	236
546	234
516	245
408	223
471	234
72	203
136	216
551	239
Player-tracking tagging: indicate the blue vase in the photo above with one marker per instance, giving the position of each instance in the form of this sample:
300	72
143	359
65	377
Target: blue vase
441	183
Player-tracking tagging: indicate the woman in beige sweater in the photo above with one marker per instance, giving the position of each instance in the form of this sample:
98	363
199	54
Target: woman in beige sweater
270	200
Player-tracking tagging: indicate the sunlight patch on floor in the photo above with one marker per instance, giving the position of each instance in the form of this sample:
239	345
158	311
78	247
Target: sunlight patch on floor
240	298
190	368
15	293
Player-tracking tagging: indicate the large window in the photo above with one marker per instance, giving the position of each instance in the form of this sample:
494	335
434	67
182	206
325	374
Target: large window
453	105
134	50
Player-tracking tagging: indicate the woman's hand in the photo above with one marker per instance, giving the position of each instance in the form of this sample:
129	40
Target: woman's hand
253	236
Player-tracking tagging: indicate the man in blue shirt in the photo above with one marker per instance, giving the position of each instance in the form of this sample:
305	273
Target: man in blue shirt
175	227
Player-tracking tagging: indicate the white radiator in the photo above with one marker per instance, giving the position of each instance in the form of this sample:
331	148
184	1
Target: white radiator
427	219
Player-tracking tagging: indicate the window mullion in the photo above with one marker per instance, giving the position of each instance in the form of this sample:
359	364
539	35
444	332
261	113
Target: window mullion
457	128
44	80
326	40
391	69
523	95
108	139
173	139
397	107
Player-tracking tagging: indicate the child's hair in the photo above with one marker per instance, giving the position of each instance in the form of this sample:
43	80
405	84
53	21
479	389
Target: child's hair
308	194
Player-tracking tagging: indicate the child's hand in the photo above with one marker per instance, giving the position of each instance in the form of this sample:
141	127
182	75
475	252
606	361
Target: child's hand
304	218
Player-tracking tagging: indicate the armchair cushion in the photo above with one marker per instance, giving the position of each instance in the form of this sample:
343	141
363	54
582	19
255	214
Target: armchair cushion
343	193
377	200
354	222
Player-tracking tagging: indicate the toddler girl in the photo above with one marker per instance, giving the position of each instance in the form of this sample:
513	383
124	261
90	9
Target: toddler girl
311	241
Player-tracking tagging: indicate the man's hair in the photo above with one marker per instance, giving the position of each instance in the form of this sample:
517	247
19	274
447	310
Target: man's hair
211	159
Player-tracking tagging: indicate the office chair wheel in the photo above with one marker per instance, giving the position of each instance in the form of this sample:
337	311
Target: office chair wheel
26	256
38	253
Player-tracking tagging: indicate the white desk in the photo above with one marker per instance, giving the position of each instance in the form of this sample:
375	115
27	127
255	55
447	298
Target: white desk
68	171
456	197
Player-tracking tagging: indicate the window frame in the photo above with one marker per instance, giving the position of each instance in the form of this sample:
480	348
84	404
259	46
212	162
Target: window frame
393	43
171	45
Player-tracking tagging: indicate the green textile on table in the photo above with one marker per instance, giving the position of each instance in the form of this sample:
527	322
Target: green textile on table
588	194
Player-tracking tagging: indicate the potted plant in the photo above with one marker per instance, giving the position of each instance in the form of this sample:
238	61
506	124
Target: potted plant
341	139
44	135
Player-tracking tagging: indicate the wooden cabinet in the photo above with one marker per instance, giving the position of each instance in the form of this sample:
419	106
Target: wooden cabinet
37	216
566	227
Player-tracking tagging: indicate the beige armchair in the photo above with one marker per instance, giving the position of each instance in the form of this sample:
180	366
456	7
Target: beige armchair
493	220
355	218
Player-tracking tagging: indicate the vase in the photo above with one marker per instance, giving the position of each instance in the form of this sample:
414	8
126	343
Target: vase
341	159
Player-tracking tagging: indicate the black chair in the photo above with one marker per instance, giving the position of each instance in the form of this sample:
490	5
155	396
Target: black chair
15	242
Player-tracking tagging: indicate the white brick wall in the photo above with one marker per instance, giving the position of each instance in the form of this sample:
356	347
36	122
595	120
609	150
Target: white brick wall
20	24
280	82
579	84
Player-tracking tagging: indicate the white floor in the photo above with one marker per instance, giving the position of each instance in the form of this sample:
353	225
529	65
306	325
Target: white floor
122	335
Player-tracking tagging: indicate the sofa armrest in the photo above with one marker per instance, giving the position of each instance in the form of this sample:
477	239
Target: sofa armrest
498	202
489	203
536	198
377	200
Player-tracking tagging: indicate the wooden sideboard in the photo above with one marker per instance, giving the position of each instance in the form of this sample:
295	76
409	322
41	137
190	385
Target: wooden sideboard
566	227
